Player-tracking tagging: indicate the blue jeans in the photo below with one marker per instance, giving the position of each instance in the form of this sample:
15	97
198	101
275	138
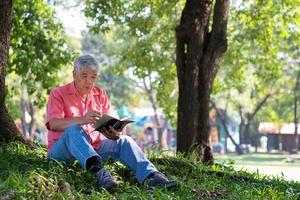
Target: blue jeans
74	144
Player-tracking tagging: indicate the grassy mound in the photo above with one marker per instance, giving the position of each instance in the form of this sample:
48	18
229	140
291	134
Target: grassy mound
27	174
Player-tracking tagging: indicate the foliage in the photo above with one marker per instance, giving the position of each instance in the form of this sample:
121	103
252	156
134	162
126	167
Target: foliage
38	48
25	173
262	46
279	109
12	100
147	30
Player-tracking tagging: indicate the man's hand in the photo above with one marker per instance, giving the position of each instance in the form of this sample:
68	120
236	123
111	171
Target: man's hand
111	134
91	117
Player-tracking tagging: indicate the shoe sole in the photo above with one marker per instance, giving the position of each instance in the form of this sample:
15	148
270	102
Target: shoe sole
169	186
111	187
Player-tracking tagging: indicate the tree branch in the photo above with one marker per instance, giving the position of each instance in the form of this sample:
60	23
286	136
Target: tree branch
258	107
219	26
217	38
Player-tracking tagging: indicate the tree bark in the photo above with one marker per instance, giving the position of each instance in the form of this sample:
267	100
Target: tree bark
8	129
198	54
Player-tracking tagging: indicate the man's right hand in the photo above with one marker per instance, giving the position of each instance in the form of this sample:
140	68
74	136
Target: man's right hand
91	117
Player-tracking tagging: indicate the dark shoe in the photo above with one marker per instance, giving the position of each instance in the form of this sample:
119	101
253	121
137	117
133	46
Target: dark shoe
159	180
105	180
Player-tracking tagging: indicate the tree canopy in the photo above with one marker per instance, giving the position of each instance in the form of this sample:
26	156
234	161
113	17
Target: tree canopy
38	47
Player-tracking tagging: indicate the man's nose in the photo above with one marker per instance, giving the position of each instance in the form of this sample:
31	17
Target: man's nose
89	81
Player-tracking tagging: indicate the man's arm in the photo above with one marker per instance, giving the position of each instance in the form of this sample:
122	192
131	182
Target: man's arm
59	124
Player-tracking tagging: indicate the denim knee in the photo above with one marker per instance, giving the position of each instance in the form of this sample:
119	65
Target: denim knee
125	139
73	130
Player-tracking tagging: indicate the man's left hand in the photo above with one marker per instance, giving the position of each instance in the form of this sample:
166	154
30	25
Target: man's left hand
111	134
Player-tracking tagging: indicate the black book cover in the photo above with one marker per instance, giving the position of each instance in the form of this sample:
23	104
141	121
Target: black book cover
107	121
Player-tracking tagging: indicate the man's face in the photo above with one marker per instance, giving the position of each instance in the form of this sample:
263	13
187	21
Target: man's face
85	80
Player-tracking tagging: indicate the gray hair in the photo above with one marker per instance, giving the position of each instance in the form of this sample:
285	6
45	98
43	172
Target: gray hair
85	62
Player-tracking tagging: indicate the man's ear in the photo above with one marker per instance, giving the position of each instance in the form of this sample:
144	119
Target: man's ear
73	74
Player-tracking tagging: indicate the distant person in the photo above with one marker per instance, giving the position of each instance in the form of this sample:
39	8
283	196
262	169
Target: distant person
149	136
72	110
264	143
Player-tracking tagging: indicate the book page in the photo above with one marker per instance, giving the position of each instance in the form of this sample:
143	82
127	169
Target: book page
107	121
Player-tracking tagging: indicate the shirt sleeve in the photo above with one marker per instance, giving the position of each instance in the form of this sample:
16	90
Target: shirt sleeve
55	106
106	104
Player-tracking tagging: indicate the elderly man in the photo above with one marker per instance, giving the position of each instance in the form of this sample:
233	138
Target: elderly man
72	110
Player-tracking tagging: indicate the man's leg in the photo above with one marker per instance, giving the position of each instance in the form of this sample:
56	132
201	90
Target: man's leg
127	152
73	144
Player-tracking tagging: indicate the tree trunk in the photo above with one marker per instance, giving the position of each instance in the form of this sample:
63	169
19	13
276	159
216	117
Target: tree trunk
23	118
8	129
241	126
296	117
245	127
198	54
223	121
160	130
32	124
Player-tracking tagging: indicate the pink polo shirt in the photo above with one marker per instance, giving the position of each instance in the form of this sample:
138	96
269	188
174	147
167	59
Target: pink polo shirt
66	102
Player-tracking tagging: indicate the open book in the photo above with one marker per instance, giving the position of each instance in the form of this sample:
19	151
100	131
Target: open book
107	121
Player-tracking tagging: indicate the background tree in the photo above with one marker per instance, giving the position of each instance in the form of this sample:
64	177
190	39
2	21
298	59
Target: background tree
296	111
38	50
38	47
255	66
8	130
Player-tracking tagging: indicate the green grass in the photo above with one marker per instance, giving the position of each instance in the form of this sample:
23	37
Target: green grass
26	174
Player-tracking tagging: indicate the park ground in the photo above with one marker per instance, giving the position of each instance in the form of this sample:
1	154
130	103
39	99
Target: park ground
276	165
25	173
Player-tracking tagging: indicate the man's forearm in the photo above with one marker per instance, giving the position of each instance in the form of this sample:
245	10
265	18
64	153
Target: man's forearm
60	124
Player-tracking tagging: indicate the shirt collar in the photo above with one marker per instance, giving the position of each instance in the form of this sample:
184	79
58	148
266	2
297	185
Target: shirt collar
72	90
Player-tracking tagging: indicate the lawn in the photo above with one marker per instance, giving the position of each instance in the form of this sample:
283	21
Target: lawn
260	159
277	165
26	174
